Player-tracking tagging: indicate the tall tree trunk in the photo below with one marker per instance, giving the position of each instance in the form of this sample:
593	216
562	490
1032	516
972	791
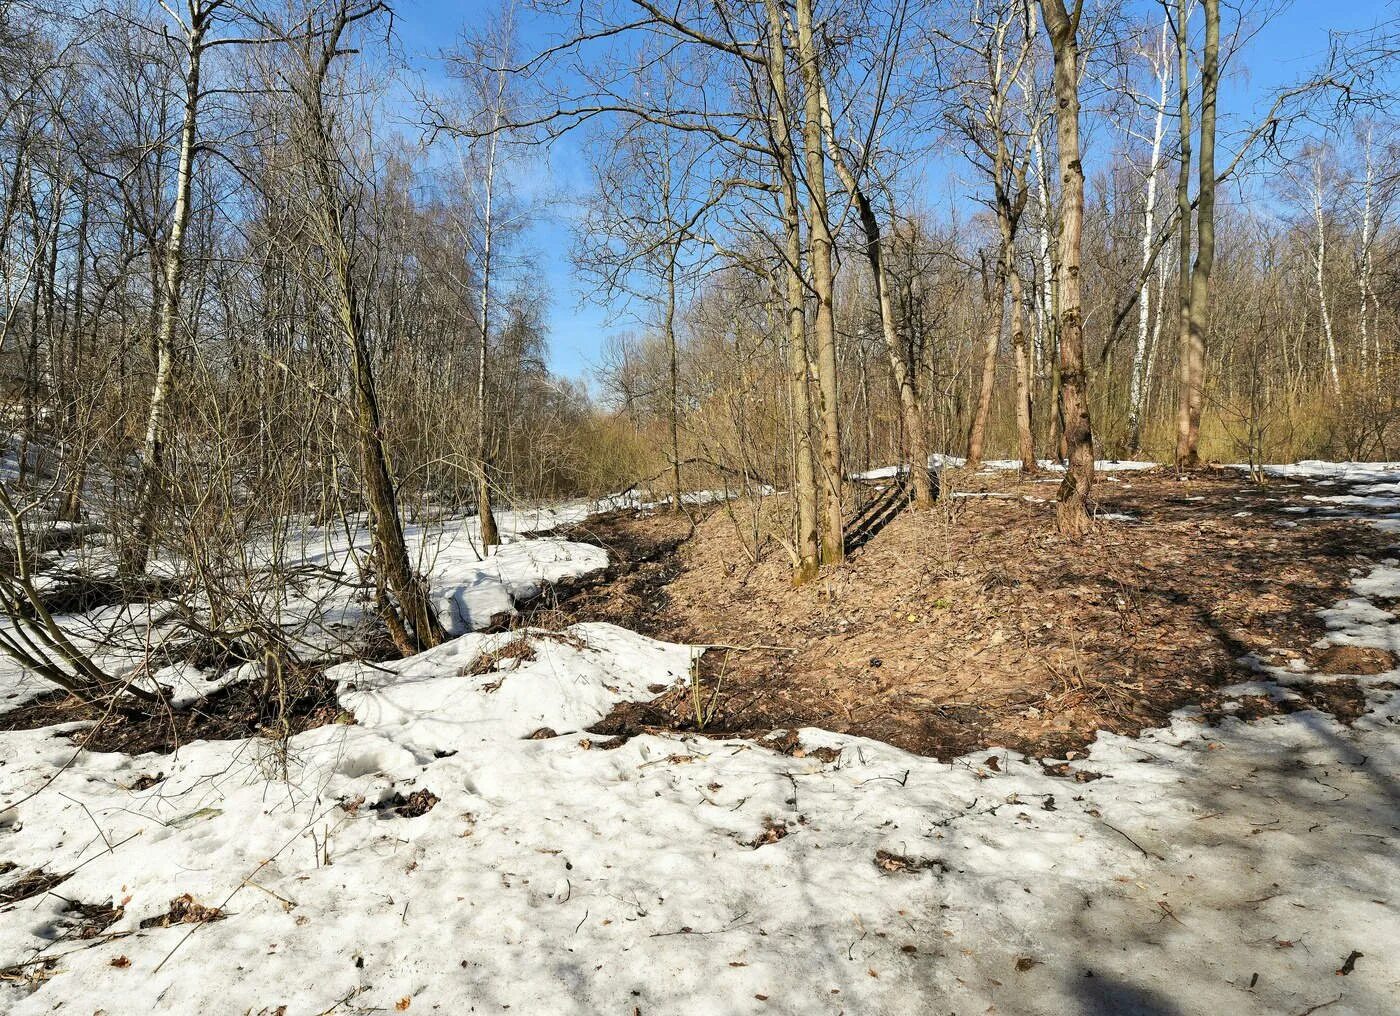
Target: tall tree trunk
1137	393
994	299
1010	204
833	544
420	628
806	540
1045	298
1365	266
73	496
136	554
1195	301
900	368
1023	374
1320	272
674	372
1075	492
486	517
672	351
411	620
1205	223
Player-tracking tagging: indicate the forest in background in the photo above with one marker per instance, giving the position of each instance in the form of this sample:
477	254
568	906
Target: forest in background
255	271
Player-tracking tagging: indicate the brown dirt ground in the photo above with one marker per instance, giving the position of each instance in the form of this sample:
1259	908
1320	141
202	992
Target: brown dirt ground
974	624
234	712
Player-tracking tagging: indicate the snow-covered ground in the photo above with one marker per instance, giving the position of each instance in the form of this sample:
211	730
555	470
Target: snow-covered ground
938	461
1197	869
468	587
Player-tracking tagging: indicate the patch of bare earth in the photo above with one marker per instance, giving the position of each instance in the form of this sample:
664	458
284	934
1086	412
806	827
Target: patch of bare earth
236	711
974	624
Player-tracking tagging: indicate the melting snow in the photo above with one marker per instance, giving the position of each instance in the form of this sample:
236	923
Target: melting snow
1232	868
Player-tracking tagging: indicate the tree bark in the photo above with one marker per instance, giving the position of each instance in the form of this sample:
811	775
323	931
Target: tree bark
136	555
1320	275
1023	373
901	369
994	298
1196	310
833	544
412	622
486	517
1072	514
806	540
1137	393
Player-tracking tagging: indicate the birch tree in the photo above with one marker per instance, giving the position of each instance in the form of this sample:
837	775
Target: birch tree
194	22
1159	61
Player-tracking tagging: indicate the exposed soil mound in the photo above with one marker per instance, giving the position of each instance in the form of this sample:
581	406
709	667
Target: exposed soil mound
974	624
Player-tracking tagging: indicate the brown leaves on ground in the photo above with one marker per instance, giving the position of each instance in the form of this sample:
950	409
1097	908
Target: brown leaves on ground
515	652
420	802
89	920
31	884
233	712
1361	660
184	909
773	831
31	975
899	864
975	624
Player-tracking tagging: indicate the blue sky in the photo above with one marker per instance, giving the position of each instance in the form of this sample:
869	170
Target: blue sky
1284	50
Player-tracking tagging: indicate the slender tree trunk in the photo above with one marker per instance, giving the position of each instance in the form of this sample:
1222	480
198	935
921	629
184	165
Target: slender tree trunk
1320	271
412	622
994	298
1194	291
1366	261
423	629
675	374
806	540
1137	394
1023	378
73	496
1205	227
1075	492
486	517
833	544
900	368
1045	297
1011	202
148	489
1154	344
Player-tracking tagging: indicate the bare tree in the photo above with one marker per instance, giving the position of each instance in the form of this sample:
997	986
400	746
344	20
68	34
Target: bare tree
194	21
833	546
322	40
807	540
1073	513
1158	57
1195	308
